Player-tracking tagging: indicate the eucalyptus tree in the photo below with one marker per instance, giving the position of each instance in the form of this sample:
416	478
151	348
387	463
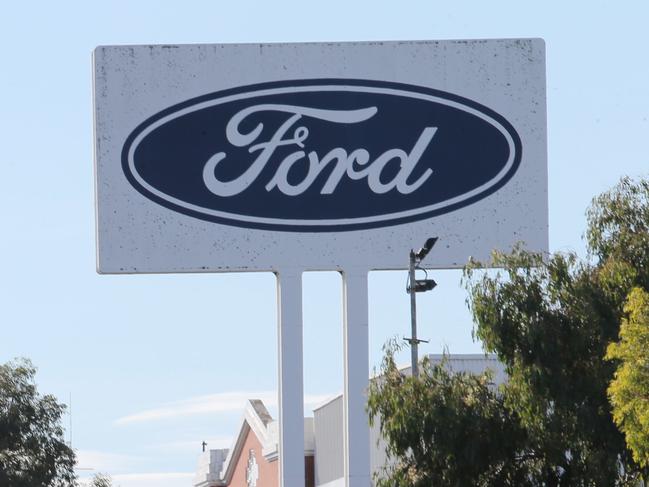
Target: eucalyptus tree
549	319
33	452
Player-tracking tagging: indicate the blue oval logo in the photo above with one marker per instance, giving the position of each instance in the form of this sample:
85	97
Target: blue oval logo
321	155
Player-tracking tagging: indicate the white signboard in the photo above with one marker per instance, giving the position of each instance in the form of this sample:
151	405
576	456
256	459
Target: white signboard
256	157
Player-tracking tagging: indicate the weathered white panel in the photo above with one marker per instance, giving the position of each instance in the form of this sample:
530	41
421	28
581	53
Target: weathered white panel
451	134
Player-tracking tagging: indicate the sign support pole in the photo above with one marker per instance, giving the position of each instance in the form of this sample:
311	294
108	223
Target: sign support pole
291	395
356	369
414	342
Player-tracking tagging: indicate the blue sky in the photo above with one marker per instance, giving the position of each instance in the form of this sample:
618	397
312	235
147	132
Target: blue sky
155	364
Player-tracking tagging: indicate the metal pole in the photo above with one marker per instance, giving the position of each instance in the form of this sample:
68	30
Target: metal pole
356	430
414	343
291	395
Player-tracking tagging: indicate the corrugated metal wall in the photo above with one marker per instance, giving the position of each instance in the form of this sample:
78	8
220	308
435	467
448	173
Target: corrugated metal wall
328	421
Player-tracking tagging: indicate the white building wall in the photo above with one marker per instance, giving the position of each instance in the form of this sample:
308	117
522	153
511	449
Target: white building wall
209	467
328	429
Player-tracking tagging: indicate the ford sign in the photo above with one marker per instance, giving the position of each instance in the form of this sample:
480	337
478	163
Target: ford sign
317	156
321	155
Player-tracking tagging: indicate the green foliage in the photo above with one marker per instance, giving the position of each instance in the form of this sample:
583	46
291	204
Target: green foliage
101	480
618	226
550	320
629	391
445	429
32	450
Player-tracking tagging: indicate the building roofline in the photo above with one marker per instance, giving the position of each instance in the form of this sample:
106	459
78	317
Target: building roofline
327	401
256	418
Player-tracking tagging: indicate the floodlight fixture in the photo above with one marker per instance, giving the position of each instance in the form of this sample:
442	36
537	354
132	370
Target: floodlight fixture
423	285
423	252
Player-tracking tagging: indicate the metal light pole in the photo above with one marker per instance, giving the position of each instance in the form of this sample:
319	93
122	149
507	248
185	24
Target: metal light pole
417	286
413	340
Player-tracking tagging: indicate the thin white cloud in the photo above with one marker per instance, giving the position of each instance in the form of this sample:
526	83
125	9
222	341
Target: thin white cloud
210	404
163	479
105	462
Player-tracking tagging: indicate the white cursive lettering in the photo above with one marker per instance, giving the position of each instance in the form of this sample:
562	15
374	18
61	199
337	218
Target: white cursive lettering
355	165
